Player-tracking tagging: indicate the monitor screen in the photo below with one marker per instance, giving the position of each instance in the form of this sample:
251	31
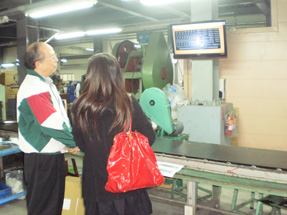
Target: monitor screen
199	40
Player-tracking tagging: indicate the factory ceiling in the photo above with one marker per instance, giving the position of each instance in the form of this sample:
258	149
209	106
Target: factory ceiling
130	15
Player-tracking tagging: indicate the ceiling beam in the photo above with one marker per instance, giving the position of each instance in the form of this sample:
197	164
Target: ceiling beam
127	11
176	12
8	37
74	57
264	8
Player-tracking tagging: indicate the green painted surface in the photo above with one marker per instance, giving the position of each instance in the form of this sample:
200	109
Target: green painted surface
235	182
156	106
156	59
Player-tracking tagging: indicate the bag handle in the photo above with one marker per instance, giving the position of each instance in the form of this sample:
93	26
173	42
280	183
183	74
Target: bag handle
131	116
130	128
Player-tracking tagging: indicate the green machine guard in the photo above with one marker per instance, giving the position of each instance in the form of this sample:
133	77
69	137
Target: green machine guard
156	106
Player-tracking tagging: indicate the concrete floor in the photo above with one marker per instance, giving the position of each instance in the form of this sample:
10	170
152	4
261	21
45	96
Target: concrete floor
163	204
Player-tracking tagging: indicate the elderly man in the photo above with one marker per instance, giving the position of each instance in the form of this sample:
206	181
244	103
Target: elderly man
44	132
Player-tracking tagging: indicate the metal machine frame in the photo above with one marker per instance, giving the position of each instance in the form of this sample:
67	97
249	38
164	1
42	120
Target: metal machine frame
231	172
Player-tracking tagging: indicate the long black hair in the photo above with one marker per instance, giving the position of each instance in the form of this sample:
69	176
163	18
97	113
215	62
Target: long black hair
103	85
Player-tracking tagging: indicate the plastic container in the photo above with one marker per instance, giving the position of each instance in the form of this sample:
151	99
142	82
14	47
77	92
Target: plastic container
14	179
5	191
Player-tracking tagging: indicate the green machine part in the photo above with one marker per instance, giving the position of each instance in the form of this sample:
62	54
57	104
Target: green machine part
156	106
157	68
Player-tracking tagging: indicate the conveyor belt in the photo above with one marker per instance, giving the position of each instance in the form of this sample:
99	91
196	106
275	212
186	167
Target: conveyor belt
270	159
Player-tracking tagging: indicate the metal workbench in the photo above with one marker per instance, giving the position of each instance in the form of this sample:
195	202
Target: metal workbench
7	149
9	129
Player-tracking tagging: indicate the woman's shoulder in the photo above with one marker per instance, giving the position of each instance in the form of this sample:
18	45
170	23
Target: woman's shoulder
133	98
135	102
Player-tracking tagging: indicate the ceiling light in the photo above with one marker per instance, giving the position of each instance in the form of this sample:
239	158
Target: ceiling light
90	49
64	60
7	65
137	46
81	33
70	35
57	8
104	31
157	2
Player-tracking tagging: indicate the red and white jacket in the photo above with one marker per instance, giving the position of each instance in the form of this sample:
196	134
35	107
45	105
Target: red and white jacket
44	126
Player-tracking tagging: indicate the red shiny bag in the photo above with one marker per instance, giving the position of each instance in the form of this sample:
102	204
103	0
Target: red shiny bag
132	164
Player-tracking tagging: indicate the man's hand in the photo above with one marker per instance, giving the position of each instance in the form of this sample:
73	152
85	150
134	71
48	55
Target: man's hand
74	150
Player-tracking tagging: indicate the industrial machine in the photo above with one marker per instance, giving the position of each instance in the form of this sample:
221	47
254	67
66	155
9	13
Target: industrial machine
146	70
147	66
150	66
156	106
207	119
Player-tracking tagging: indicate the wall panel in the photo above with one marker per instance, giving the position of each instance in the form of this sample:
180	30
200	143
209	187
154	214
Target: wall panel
263	141
256	82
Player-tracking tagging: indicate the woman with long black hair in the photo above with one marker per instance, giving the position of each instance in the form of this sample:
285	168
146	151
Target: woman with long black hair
99	113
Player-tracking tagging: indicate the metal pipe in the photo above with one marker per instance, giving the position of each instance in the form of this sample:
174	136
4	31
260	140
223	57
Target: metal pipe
43	27
52	37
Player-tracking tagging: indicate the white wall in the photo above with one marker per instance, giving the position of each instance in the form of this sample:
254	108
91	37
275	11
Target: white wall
256	78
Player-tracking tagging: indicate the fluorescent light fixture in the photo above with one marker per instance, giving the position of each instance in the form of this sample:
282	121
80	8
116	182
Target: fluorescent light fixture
70	35
89	33
158	2
64	60
90	49
7	65
57	8
104	31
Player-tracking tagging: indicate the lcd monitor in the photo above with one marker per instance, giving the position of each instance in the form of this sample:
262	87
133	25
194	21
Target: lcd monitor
199	40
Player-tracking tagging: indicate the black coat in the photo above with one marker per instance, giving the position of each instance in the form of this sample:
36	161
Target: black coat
96	151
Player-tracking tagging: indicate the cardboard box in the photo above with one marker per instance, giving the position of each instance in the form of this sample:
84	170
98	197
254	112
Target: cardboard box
10	96
12	90
8	79
73	201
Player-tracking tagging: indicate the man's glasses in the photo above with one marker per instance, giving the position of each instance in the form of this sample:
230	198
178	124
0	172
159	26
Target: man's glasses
54	57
